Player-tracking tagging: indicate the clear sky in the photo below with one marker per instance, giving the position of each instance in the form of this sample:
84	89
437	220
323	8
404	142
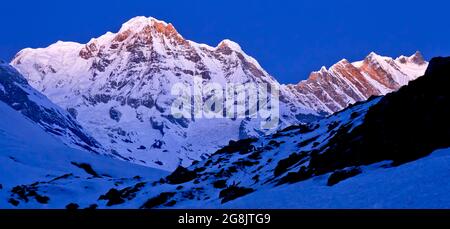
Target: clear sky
289	38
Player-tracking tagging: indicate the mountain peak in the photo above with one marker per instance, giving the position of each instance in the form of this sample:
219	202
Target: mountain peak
323	69
140	22
417	58
148	25
372	56
136	68
230	44
343	62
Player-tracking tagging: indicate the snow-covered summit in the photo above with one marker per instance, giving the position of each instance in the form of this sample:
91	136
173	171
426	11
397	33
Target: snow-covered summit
139	22
118	86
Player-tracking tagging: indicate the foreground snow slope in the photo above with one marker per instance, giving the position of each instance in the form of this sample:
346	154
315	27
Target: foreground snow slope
418	184
28	155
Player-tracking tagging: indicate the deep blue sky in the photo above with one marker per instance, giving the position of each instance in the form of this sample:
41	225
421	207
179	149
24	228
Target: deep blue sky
289	38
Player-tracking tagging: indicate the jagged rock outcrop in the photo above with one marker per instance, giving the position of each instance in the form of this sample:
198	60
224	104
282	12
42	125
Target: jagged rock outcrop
331	90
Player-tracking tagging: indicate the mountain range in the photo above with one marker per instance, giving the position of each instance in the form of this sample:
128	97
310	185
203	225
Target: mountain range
117	87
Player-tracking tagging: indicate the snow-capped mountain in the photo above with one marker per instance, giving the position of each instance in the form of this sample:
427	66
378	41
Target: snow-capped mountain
19	95
118	87
331	90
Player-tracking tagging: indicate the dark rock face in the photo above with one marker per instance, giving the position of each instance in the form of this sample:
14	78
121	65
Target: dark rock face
25	193
73	112
302	174
233	192
183	122
115	197
284	164
87	168
181	175
13	202
242	146
115	114
157	144
157	125
220	184
158	200
403	126
342	174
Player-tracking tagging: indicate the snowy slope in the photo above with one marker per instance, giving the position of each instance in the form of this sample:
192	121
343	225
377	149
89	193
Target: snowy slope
18	94
118	87
419	184
32	160
251	164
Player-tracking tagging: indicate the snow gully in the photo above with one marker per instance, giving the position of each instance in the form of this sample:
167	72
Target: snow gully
233	101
